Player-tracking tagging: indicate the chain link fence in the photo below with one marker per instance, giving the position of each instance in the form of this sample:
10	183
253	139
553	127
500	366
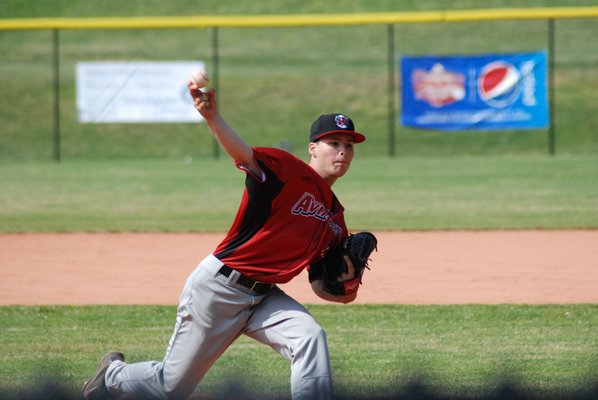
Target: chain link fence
273	81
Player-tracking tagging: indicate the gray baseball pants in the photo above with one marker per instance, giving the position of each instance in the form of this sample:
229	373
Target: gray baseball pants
213	312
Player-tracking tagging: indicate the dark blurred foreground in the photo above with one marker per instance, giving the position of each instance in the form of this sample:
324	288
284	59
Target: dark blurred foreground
414	390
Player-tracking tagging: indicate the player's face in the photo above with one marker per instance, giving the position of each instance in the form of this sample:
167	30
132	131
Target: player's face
332	155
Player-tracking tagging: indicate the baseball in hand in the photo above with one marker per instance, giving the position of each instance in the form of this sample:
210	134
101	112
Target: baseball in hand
200	78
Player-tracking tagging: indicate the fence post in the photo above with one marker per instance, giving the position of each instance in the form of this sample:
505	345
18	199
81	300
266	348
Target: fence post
56	70
551	90
391	91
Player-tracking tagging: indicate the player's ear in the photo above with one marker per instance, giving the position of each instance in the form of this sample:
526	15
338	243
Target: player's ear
312	149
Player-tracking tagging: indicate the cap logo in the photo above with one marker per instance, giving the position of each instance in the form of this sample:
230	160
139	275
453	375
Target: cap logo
341	121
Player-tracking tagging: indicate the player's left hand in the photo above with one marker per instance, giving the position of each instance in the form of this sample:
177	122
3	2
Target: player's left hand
343	266
349	273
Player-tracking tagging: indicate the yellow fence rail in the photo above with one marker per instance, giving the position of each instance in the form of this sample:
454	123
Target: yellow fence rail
297	19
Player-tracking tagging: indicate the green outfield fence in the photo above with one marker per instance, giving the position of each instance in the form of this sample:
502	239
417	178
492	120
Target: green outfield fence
342	54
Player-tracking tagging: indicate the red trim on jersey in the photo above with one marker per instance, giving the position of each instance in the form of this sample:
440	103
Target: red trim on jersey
285	222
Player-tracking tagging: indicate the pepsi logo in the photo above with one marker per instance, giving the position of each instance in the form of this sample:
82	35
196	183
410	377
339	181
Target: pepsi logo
498	84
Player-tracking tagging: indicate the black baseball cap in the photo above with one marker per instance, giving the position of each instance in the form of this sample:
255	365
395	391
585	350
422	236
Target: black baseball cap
327	124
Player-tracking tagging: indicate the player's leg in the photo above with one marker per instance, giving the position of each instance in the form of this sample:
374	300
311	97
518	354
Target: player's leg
285	325
211	315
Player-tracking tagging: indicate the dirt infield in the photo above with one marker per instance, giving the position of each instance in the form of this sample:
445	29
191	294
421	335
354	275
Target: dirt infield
520	267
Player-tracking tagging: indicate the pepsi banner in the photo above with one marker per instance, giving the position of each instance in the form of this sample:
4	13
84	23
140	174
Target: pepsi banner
499	91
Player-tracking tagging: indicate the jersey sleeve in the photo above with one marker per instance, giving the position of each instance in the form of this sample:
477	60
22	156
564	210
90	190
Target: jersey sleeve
276	161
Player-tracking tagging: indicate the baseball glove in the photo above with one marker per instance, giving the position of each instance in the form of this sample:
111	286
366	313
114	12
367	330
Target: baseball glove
339	278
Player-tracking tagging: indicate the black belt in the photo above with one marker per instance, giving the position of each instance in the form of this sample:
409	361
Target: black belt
256	286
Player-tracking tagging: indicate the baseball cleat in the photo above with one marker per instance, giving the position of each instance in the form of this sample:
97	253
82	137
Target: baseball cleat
95	388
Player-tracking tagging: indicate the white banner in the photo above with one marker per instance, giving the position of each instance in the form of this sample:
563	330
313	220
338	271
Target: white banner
135	91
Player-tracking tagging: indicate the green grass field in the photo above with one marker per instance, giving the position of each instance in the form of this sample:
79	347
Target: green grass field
458	352
493	192
137	177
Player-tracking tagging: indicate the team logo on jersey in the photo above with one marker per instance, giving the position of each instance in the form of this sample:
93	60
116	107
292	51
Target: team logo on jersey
498	84
341	121
334	227
308	206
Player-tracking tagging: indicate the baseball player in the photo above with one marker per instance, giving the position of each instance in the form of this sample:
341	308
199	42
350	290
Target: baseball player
288	219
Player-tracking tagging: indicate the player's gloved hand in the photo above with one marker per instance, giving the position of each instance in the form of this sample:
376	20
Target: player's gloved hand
343	266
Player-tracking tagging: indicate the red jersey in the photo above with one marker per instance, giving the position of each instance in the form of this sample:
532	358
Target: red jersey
288	219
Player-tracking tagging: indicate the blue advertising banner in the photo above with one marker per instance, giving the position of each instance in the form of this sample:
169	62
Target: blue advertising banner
498	91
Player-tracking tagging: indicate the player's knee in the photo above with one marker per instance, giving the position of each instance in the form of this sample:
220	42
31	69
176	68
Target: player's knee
177	393
313	339
179	387
316	333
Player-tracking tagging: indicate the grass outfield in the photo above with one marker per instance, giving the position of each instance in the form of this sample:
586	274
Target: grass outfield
459	351
500	192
